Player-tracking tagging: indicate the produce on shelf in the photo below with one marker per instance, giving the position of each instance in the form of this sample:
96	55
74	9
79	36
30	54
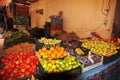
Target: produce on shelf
83	55
15	36
53	52
20	48
68	37
18	65
70	50
49	42
60	65
74	44
16	33
100	47
79	51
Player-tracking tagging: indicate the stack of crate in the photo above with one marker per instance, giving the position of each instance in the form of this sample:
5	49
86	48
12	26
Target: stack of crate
56	25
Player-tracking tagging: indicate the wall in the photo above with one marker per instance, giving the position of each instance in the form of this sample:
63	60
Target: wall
80	16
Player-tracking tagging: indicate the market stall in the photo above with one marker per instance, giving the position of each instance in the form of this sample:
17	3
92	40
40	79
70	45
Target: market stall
65	56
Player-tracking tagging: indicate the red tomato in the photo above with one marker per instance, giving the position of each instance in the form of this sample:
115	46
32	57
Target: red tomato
27	73
18	55
33	71
9	70
32	53
2	72
36	63
24	56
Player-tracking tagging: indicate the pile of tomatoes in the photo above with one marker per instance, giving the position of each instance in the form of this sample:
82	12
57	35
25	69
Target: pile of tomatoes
18	65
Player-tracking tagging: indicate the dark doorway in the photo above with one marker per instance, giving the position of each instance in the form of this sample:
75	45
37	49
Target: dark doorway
116	25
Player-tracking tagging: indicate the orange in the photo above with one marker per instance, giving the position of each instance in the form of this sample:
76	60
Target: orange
52	48
45	56
62	48
42	53
49	52
65	53
55	52
44	49
50	70
53	56
58	48
53	62
39	51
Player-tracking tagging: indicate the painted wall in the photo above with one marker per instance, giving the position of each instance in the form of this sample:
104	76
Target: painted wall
80	16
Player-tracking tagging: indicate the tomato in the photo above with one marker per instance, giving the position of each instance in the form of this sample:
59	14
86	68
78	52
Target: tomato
18	65
6	67
23	70
32	53
9	70
17	62
28	66
20	73
2	72
23	66
16	75
17	55
33	71
13	66
24	56
31	63
36	63
28	73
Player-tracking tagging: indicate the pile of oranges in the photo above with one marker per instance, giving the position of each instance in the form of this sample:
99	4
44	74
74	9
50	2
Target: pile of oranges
53	52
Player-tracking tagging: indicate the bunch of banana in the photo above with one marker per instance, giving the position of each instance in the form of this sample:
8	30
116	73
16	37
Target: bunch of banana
79	51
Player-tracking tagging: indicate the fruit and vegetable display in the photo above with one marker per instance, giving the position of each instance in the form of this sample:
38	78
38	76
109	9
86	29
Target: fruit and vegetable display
100	47
17	66
52	53
60	65
49	42
21	48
